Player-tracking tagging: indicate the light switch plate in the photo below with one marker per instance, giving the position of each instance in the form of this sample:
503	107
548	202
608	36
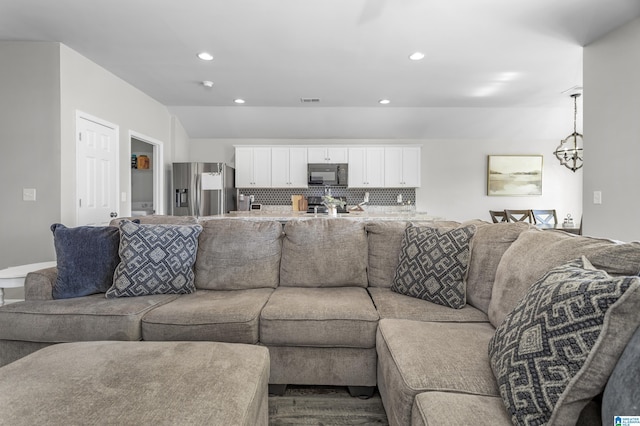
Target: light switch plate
597	197
28	194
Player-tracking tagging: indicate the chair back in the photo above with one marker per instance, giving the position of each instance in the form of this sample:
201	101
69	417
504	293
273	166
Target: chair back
545	217
519	216
498	216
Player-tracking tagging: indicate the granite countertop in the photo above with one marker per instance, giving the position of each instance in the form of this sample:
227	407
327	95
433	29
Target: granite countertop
283	216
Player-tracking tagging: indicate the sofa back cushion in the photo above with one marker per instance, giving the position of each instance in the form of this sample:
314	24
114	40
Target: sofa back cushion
385	241
535	252
487	247
236	254
324	253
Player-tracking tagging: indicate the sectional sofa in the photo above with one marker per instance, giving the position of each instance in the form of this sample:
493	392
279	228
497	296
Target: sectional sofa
515	325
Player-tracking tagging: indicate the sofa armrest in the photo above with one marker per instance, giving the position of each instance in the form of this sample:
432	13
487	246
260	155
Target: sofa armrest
38	285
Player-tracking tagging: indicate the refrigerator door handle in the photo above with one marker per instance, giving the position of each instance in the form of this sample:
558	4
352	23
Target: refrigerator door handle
198	189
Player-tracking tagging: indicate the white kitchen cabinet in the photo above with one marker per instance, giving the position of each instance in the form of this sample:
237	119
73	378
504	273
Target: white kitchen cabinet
288	167
253	167
326	154
402	167
366	167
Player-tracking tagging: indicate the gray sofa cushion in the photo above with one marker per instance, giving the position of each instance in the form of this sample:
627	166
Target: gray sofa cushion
555	351
448	408
487	247
433	264
218	316
622	393
238	254
523	263
390	304
415	357
322	317
78	319
324	253
132	383
385	241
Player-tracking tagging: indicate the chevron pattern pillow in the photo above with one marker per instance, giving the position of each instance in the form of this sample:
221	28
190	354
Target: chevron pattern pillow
433	264
555	351
155	259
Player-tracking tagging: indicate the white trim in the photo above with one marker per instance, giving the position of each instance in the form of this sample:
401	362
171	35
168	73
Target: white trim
158	168
116	128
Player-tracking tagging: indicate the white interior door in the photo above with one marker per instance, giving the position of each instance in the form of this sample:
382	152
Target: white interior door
97	171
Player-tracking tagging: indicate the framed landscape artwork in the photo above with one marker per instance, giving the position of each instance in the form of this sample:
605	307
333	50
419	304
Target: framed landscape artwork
513	175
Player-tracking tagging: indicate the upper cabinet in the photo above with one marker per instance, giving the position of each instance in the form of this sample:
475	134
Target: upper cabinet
285	166
366	167
326	154
402	167
253	167
288	167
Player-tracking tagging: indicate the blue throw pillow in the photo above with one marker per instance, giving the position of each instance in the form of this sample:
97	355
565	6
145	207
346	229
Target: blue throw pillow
86	258
155	259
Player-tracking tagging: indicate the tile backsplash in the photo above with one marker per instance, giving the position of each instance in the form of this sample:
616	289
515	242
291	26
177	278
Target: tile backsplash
377	196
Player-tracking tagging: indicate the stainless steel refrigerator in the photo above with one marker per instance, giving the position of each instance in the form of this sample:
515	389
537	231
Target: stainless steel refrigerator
202	189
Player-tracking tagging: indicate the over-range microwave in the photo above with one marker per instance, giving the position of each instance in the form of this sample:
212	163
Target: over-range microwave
327	174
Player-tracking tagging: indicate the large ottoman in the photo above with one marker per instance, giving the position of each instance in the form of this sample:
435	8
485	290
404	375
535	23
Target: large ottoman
141	383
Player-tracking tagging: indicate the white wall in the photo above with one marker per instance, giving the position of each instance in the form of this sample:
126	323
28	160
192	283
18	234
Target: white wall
29	150
612	134
89	88
41	87
454	172
180	140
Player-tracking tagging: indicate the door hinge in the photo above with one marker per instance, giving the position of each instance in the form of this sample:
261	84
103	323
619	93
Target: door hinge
80	202
80	136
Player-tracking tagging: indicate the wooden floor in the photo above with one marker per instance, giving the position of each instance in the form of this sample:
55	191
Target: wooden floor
324	405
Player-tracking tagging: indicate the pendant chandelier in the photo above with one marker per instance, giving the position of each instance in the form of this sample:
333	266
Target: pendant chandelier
569	152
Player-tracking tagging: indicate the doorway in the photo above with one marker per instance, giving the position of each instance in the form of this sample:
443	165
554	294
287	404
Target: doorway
147	177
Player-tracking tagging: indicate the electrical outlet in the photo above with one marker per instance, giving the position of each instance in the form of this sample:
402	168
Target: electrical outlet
366	197
597	197
399	198
28	194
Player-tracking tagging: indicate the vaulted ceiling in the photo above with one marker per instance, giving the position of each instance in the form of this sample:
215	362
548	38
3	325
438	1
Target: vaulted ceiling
479	55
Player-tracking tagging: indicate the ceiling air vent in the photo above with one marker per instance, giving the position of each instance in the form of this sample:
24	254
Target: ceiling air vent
310	100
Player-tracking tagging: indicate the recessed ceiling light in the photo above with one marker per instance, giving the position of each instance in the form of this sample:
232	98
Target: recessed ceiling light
238	101
416	56
207	83
384	101
205	56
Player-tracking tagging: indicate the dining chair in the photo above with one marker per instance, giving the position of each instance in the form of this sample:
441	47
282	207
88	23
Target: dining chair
498	216
545	217
519	216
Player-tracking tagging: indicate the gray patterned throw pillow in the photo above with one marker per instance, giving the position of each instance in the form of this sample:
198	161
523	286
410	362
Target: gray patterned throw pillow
155	259
555	351
433	264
